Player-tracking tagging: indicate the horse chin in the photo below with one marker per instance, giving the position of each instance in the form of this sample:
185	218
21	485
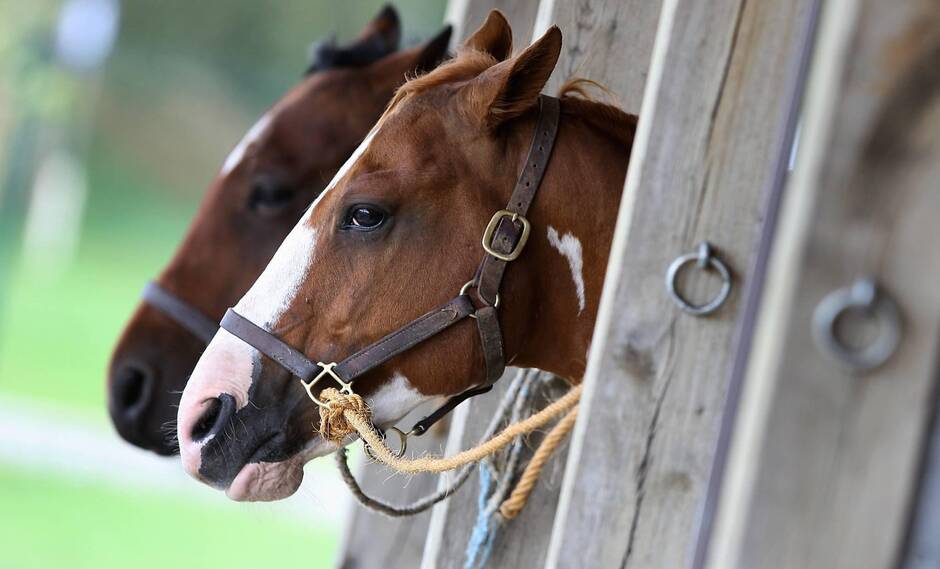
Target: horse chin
270	481
266	481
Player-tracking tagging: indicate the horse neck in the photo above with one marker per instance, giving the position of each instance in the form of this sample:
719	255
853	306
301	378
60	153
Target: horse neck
573	218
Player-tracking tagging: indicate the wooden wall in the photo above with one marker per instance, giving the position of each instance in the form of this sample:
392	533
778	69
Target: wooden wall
825	458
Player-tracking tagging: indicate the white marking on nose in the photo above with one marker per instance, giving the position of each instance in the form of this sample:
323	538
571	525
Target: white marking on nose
570	248
238	153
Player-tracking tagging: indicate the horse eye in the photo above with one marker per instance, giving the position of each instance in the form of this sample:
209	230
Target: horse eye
364	217
268	196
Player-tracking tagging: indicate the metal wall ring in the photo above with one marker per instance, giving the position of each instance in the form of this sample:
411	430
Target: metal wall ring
863	295
704	258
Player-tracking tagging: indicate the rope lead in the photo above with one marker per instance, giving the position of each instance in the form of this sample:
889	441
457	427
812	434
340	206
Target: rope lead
349	413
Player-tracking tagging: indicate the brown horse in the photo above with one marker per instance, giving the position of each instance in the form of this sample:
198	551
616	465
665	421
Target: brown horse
266	183
396	233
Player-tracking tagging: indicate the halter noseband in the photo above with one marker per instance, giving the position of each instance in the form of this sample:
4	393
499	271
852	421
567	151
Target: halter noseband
503	241
179	311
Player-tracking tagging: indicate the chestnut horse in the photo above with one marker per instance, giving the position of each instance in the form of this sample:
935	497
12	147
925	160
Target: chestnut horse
266	183
396	233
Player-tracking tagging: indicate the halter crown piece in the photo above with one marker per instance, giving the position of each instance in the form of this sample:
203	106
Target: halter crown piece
503	242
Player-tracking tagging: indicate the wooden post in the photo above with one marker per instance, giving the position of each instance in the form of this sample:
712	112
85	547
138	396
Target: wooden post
624	28
608	41
713	131
824	463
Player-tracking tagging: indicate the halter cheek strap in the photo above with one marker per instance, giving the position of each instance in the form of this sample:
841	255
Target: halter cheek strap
503	241
179	311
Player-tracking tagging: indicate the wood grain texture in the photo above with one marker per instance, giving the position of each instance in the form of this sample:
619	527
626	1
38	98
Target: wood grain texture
608	41
468	15
712	132
824	464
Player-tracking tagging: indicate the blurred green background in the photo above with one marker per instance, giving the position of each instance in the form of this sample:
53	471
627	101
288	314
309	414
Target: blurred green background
149	129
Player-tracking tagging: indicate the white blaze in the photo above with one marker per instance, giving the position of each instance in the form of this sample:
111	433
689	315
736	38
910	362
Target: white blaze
570	248
277	286
238	153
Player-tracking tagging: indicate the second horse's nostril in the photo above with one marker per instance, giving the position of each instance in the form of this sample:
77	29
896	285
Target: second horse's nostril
218	413
131	393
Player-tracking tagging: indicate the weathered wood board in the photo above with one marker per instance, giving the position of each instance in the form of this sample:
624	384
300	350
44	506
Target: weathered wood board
714	127
824	463
608	41
468	15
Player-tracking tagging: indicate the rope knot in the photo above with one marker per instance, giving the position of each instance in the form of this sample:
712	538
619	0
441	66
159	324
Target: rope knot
334	426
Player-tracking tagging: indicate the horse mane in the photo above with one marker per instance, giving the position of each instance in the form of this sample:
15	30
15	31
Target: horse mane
574	94
604	116
327	55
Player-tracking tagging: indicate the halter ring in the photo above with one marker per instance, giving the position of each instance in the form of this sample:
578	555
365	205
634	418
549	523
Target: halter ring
463	291
345	387
402	440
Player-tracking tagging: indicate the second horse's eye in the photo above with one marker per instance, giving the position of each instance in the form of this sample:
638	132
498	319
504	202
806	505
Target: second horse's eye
364	217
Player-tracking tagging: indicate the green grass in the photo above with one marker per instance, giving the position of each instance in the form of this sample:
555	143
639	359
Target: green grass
52	522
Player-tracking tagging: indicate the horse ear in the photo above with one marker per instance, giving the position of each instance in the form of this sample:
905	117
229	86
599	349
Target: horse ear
494	37
433	52
510	88
384	30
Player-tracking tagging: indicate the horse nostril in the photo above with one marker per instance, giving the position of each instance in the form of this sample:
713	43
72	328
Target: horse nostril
218	414
131	391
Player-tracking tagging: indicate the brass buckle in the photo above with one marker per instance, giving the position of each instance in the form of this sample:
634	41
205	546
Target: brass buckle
345	387
491	229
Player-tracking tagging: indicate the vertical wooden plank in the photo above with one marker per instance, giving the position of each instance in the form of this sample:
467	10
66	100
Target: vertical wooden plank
468	15
713	130
824	462
586	25
608	41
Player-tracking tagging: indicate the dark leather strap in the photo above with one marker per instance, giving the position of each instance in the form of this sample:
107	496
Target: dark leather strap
179	311
269	345
489	276
356	365
424	424
405	338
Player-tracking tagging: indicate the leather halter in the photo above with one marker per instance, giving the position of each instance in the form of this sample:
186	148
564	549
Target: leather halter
179	311
503	240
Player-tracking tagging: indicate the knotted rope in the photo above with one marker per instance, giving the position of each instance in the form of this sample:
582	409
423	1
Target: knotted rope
348	413
513	393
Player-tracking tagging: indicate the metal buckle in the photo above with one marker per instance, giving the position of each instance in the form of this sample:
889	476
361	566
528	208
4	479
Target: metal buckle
345	387
491	229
